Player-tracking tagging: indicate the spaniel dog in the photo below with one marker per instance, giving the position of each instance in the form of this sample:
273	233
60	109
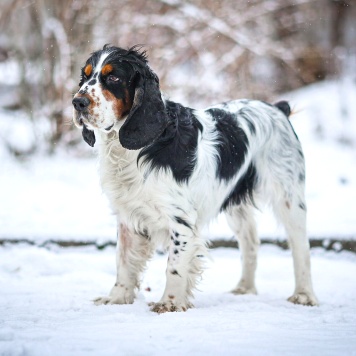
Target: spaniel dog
167	170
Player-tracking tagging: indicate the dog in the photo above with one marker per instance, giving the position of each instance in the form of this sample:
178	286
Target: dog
168	170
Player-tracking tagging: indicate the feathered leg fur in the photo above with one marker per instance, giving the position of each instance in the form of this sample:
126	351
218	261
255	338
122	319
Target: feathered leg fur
132	254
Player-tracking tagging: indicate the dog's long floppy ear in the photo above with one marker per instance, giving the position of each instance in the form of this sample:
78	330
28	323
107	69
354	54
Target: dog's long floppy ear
147	118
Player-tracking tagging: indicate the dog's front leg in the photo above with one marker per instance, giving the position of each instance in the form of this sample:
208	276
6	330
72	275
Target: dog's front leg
184	267
133	251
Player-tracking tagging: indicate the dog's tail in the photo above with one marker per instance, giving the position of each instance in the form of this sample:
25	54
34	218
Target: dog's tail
284	107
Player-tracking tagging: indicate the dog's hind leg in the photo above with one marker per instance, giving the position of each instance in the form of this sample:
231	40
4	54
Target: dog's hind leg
133	251
291	212
241	220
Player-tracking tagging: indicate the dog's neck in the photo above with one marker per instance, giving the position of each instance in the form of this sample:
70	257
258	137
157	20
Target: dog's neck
111	150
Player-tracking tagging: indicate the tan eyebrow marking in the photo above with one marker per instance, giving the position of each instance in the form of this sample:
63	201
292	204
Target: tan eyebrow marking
106	69
88	69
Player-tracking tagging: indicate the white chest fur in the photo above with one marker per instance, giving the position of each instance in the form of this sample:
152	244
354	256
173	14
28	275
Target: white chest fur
141	201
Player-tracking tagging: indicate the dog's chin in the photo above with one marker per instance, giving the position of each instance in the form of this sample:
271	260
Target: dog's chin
82	119
114	126
106	128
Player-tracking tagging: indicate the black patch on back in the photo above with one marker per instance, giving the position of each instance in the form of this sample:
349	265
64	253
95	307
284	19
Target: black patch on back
92	82
232	144
176	148
243	190
244	112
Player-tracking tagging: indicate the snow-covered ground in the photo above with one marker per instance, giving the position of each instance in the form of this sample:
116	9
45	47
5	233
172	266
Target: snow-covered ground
45	294
59	197
46	308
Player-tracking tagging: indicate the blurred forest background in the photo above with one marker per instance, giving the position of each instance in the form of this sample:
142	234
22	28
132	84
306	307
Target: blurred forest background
204	52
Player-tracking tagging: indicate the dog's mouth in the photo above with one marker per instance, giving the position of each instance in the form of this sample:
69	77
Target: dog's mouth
83	119
80	119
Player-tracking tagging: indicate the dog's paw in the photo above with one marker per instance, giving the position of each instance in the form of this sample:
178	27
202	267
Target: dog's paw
118	295
243	290
102	300
303	299
169	306
112	300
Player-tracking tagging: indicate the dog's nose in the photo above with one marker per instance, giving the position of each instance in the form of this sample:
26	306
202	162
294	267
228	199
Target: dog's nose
80	103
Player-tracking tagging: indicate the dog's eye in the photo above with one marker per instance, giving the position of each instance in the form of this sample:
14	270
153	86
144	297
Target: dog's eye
112	78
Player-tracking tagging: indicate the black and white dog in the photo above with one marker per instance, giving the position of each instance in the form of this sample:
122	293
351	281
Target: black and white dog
168	170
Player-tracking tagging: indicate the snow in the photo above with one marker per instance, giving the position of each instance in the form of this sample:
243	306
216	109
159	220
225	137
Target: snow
54	198
46	307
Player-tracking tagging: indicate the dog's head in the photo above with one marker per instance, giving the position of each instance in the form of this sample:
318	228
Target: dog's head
118	91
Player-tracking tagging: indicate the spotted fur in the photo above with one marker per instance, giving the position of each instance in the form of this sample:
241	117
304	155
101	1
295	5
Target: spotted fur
167	170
